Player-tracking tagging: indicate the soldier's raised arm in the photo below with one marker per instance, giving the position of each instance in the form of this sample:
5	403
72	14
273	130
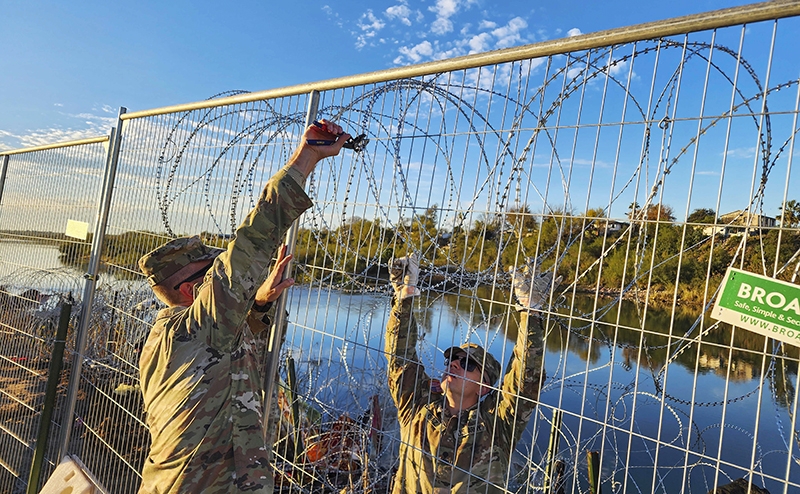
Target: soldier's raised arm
409	384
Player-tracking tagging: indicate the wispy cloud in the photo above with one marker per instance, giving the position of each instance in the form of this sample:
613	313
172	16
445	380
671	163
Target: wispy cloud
369	26
510	34
444	10
446	29
415	53
88	124
740	153
402	13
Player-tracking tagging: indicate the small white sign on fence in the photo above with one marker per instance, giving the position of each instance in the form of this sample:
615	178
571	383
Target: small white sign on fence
77	229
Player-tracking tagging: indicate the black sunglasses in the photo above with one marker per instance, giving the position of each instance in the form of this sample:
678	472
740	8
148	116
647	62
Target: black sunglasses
464	362
193	277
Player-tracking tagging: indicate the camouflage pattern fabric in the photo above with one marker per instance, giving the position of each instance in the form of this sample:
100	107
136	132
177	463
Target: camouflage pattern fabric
201	367
739	486
168	259
468	452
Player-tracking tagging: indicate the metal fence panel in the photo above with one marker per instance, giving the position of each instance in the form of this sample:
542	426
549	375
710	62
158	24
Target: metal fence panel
39	267
179	174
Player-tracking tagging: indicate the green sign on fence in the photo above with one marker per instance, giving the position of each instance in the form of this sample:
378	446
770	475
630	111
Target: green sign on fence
760	304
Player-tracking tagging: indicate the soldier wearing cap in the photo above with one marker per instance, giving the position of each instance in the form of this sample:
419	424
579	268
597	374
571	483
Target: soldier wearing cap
459	438
201	366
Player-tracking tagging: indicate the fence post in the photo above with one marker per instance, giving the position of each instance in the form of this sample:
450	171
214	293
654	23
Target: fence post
53	376
295	403
3	170
91	280
552	450
593	464
275	338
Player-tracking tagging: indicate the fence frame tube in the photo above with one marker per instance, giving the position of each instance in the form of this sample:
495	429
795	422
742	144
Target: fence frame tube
91	280
3	170
53	376
275	338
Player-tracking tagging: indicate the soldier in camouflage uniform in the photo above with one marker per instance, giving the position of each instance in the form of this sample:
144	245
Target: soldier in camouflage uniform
460	438
201	370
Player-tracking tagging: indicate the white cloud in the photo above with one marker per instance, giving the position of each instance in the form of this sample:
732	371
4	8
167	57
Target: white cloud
417	52
509	35
87	125
484	24
400	12
333	15
480	42
369	25
618	66
444	10
41	137
57	104
741	153
574	72
574	32
441	26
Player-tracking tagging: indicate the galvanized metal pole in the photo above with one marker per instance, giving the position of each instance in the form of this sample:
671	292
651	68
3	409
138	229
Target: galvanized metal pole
3	170
276	336
91	280
53	376
552	450
593	463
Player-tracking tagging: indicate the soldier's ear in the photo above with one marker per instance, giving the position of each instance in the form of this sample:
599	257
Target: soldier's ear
187	291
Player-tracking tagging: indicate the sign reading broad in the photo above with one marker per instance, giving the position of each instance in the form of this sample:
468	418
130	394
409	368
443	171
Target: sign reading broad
760	304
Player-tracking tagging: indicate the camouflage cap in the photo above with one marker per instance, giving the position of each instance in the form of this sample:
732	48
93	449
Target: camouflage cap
168	259
476	353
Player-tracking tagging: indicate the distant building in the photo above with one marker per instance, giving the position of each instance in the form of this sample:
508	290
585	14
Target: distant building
609	226
745	220
721	230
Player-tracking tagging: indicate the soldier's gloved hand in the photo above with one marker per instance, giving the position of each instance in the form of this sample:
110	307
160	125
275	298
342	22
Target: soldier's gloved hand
404	274
532	288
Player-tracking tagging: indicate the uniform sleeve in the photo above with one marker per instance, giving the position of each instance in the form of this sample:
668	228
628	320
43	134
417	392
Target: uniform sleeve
224	300
520	388
261	321
409	384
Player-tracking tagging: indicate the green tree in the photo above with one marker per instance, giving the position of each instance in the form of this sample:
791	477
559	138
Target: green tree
633	210
659	212
790	214
702	215
521	219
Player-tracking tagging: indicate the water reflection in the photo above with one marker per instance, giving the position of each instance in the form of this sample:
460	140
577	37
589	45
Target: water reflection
645	387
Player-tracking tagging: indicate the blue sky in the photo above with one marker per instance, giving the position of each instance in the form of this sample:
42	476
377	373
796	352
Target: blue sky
66	67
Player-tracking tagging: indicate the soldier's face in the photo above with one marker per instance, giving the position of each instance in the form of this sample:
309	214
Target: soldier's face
458	380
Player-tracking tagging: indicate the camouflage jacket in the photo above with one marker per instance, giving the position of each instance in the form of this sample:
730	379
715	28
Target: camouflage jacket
201	367
468	452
